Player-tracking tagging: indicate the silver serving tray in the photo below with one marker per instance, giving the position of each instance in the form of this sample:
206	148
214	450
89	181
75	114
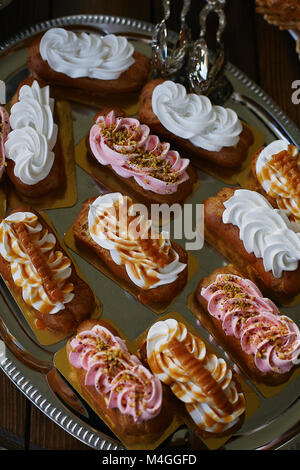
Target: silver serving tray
277	420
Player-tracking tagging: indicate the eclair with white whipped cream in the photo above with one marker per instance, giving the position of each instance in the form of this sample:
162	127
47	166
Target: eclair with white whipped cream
34	157
202	381
152	265
121	389
258	239
276	171
261	340
84	65
156	173
39	272
192	123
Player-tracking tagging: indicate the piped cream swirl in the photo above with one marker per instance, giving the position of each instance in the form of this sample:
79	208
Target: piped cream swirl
149	262
126	384
86	54
193	117
33	136
23	271
264	231
278	171
206	408
271	338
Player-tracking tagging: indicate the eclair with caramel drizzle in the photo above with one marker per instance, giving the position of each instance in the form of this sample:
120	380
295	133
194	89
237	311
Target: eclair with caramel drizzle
38	271
153	267
122	391
276	171
261	340
205	384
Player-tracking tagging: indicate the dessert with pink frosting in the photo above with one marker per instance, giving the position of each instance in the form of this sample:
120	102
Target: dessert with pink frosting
122	391
148	166
4	130
262	341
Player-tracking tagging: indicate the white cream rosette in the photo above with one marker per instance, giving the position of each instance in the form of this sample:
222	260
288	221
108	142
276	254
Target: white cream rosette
86	54
264	231
193	117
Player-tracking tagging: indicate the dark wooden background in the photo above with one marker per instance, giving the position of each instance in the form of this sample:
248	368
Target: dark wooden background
264	53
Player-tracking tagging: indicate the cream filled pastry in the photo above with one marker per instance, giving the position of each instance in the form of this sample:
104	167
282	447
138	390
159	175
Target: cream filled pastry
264	231
130	150
4	130
150	261
113	372
272	339
277	169
33	136
86	54
41	271
195	118
201	380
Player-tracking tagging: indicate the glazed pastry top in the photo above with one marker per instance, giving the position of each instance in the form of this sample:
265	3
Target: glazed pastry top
114	372
34	134
278	172
36	267
193	117
86	54
264	231
271	338
149	258
200	379
128	147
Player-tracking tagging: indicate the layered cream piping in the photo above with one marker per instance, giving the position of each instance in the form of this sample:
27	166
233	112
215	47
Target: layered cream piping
266	232
193	117
86	54
110	368
278	171
272	339
200	379
36	267
33	136
149	262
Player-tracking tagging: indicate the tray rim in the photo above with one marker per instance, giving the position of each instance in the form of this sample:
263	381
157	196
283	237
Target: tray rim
60	415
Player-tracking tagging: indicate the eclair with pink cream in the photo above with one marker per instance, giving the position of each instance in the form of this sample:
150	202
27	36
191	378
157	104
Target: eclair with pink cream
148	166
115	381
263	341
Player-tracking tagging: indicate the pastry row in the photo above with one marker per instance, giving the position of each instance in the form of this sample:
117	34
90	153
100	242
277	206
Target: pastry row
38	269
75	66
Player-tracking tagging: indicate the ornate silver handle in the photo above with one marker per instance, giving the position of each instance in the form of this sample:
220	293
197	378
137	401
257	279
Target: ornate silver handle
166	60
203	66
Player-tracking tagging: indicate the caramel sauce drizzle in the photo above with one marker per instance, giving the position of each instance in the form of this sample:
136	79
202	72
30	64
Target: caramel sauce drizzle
286	166
200	375
39	262
151	247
